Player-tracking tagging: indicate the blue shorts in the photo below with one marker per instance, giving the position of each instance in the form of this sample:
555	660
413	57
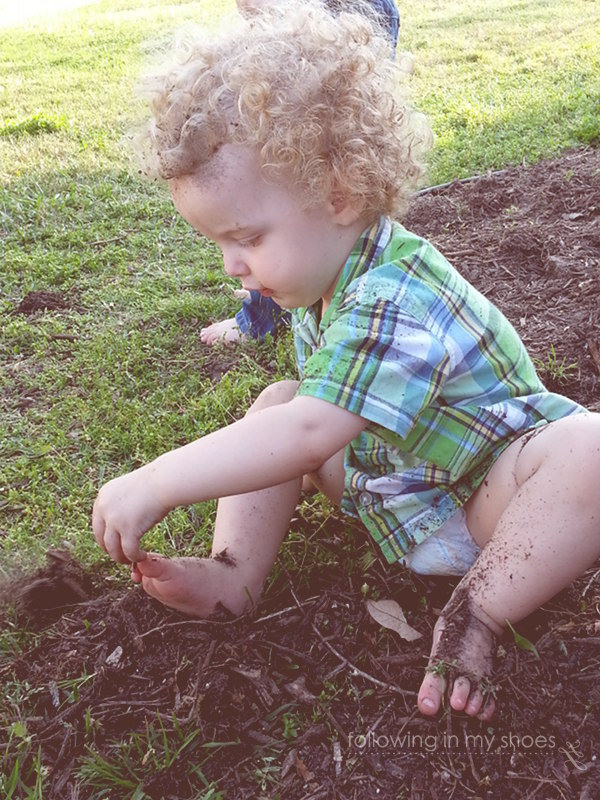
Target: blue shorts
451	550
260	316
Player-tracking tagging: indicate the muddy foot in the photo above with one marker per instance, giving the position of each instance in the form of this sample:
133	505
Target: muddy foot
195	586
461	661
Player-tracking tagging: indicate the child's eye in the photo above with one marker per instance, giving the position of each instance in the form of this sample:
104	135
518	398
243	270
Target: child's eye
253	242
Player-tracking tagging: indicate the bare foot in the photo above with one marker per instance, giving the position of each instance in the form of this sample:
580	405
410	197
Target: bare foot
196	586
225	331
464	642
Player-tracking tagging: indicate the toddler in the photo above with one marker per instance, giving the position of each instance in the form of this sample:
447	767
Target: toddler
260	316
289	142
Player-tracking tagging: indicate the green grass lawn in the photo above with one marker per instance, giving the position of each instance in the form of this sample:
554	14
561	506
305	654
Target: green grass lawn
118	374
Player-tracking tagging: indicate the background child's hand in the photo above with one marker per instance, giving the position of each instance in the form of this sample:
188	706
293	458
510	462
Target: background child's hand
124	510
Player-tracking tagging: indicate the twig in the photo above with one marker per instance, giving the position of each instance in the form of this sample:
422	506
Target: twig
209	655
516	777
323	792
457	181
357	671
591	580
474	772
111	705
534	791
283	611
595	353
403	659
516	690
295	596
337	725
188	623
503	268
288	651
375	725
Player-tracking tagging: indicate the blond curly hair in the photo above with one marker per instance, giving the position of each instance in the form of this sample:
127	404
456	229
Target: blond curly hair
314	93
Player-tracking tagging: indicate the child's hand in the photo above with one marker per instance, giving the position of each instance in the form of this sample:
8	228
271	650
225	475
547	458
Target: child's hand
124	510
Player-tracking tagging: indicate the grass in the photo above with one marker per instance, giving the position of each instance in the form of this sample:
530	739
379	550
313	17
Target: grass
118	374
554	369
501	82
505	82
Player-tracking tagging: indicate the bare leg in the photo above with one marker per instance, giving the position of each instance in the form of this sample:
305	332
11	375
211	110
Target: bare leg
226	330
249	529
538	518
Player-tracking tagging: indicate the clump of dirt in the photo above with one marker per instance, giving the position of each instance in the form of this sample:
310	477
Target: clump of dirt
307	697
43	301
42	597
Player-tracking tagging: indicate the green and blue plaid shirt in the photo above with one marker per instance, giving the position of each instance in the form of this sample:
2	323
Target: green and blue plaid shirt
440	374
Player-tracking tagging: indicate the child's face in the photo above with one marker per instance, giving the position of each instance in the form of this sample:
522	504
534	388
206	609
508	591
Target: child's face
268	240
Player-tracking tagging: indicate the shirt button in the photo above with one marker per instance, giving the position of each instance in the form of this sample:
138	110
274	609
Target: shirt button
365	499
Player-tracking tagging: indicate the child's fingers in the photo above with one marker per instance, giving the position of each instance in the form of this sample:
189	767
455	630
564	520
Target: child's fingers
123	549
112	545
98	526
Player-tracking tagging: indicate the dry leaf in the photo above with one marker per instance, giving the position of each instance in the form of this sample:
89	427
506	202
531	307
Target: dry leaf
297	689
303	771
389	614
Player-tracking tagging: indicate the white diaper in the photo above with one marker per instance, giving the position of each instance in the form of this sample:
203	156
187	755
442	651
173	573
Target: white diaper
451	550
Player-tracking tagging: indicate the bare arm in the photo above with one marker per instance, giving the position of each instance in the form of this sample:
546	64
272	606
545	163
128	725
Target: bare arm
263	449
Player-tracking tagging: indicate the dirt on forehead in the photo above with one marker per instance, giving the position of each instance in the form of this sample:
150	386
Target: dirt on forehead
308	697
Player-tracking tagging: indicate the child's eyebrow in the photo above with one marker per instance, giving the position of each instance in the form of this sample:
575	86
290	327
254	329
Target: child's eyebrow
241	230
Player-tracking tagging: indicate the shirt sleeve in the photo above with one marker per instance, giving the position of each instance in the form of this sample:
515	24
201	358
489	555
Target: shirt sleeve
380	362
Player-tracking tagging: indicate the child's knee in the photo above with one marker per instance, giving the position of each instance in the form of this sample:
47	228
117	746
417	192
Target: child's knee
568	448
274	395
329	478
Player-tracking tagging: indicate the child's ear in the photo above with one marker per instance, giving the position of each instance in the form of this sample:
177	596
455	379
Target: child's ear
345	210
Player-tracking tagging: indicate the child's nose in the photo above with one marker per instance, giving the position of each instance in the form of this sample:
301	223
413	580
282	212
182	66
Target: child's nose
234	266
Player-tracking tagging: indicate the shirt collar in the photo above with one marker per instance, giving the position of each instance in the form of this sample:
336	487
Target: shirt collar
365	254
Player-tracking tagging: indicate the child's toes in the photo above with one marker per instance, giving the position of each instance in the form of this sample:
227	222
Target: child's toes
472	701
430	696
153	566
461	694
489	708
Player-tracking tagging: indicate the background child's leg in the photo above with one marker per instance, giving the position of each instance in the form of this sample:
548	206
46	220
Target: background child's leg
539	510
258	317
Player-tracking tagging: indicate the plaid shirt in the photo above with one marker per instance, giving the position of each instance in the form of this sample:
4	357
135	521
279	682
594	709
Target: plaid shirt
439	373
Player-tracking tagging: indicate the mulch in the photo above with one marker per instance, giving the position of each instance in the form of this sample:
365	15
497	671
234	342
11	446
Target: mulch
307	697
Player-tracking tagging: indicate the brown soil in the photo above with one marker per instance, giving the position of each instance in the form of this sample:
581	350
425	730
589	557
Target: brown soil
311	698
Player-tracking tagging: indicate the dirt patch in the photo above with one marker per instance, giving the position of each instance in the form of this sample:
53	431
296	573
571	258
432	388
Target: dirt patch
307	697
34	302
307	679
